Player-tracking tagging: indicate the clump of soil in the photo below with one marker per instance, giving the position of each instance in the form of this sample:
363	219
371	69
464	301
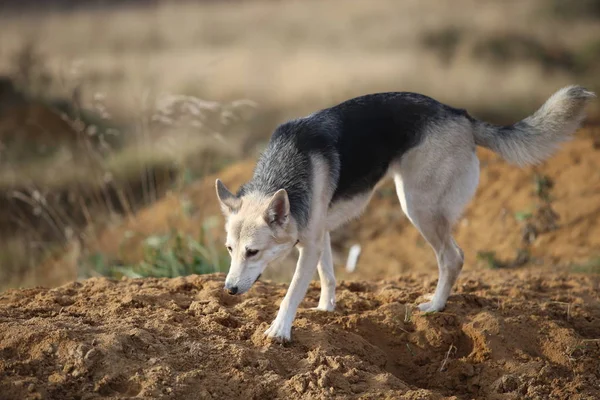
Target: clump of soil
504	335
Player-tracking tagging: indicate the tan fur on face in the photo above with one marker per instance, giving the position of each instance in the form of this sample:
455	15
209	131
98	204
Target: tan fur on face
246	229
247	226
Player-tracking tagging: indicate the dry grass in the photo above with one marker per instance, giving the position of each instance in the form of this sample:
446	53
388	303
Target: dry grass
299	55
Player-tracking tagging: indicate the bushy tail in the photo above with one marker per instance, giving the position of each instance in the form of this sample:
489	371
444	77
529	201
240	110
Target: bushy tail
536	138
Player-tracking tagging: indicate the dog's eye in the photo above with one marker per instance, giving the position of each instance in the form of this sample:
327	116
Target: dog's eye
251	253
229	249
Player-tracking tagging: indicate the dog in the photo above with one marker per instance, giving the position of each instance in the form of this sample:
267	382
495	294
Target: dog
320	171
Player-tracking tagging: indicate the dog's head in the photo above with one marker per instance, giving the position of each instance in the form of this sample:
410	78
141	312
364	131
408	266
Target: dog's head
259	231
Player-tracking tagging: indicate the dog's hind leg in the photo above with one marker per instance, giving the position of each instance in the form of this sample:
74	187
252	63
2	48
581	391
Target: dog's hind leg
436	229
433	187
327	277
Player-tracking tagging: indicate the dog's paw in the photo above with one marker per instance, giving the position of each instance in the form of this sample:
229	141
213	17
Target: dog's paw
325	306
321	309
430	307
279	332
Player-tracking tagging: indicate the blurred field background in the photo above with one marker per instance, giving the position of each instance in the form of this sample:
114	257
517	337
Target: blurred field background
111	113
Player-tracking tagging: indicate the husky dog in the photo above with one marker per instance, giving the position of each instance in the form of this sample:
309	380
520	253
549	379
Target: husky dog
320	171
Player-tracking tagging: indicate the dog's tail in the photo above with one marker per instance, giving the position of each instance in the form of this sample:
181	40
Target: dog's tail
535	138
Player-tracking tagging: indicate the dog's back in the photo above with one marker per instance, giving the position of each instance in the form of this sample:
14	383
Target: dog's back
376	130
358	139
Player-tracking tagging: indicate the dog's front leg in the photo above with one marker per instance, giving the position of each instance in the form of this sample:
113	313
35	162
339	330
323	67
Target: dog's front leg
281	328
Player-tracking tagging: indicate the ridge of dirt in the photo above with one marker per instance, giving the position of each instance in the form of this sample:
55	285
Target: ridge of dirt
505	334
391	245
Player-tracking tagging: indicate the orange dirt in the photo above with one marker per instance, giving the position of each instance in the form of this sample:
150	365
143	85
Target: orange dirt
391	245
524	332
504	335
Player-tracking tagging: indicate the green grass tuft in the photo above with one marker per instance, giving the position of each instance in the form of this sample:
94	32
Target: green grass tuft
590	267
168	256
489	259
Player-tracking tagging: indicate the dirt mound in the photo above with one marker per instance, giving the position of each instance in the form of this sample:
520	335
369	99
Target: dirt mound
506	204
505	207
504	335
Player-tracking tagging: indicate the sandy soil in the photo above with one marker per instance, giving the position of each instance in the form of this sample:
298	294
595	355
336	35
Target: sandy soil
504	335
530	331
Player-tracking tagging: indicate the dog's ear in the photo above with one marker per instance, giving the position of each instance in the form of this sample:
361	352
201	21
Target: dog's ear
229	202
278	211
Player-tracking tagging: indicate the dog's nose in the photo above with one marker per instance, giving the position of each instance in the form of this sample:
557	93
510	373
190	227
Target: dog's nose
232	290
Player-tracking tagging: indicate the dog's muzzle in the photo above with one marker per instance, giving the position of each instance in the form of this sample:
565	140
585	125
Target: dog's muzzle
232	290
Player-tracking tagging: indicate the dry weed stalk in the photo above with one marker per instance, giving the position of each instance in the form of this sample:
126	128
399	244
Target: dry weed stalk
451	350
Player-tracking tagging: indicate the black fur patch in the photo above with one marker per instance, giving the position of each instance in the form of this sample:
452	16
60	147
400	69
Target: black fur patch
358	138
